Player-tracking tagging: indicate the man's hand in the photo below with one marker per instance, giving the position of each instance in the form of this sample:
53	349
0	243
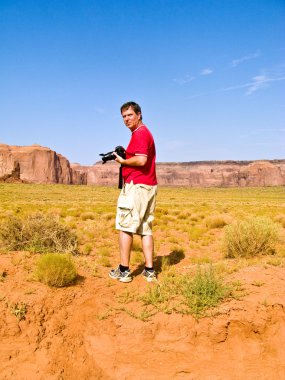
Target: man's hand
132	161
119	159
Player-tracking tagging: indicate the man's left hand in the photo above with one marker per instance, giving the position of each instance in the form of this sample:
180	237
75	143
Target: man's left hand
119	159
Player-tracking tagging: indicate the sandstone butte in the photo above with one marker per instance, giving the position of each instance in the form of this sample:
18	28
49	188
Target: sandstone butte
37	164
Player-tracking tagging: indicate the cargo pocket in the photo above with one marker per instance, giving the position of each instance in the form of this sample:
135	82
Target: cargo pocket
146	187
125	212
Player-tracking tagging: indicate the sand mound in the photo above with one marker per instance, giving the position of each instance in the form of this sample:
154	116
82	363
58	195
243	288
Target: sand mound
68	334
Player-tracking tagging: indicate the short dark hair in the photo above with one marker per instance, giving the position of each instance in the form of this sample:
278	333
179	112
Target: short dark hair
135	107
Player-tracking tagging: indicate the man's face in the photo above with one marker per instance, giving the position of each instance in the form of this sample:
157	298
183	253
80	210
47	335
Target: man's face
131	119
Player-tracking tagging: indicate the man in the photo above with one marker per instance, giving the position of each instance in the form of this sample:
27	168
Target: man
136	203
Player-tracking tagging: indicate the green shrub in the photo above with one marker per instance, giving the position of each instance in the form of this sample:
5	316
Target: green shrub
185	294
19	310
204	291
251	237
215	221
55	270
37	233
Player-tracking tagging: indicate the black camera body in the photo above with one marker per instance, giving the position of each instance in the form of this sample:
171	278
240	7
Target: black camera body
110	155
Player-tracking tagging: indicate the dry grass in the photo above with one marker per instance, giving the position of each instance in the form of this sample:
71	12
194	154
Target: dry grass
215	221
280	219
88	215
189	229
251	237
38	233
186	218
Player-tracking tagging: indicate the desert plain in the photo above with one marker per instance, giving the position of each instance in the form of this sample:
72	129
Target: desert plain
98	328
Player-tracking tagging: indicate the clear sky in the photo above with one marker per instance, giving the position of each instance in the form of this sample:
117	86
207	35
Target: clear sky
208	74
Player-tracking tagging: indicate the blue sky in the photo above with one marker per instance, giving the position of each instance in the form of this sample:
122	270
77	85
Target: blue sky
209	76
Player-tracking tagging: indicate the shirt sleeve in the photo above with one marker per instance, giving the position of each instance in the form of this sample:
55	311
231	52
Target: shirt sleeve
141	143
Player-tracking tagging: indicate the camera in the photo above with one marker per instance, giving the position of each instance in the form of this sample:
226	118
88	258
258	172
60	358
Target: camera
110	155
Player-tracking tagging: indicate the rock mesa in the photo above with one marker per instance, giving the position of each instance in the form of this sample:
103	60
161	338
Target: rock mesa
199	174
36	164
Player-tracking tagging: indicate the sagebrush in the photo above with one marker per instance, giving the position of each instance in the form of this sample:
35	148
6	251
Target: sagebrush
55	270
251	237
187	294
215	221
37	233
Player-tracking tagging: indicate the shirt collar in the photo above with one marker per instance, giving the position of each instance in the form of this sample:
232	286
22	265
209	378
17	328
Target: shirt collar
141	125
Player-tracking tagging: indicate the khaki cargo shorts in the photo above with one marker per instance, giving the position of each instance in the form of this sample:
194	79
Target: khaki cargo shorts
135	208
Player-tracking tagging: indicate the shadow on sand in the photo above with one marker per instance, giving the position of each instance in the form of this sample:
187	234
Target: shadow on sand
173	258
79	280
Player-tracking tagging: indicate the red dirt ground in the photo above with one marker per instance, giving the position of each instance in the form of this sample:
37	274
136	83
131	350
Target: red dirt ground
68	335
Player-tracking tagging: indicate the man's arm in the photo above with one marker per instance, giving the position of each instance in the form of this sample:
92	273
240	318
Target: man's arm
132	161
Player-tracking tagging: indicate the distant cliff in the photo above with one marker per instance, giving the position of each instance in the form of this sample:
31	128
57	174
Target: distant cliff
201	173
37	164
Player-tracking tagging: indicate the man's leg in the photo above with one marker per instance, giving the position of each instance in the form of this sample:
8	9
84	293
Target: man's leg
147	246
125	245
122	273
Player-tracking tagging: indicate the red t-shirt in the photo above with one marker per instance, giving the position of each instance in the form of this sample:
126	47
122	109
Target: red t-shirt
141	144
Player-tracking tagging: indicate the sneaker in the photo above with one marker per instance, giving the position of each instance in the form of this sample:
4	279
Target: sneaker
149	275
116	274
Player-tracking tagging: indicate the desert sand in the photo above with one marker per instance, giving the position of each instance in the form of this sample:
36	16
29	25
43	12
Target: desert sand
71	333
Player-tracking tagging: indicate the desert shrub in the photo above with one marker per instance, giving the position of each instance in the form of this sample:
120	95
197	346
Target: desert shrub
250	237
104	261
215	221
37	233
55	270
87	215
280	219
204	291
275	261
19	310
11	234
161	211
186	294
173	239
194	218
137	245
136	257
104	252
109	216
183	215
87	249
196	232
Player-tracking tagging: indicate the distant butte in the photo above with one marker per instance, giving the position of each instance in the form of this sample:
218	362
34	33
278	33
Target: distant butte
37	164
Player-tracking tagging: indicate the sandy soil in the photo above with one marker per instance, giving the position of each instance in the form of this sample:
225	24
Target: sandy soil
69	333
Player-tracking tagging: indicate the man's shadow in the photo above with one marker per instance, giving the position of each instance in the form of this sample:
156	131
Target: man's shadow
173	258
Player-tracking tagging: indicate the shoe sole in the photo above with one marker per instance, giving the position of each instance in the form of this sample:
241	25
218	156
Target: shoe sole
125	279
153	279
122	279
